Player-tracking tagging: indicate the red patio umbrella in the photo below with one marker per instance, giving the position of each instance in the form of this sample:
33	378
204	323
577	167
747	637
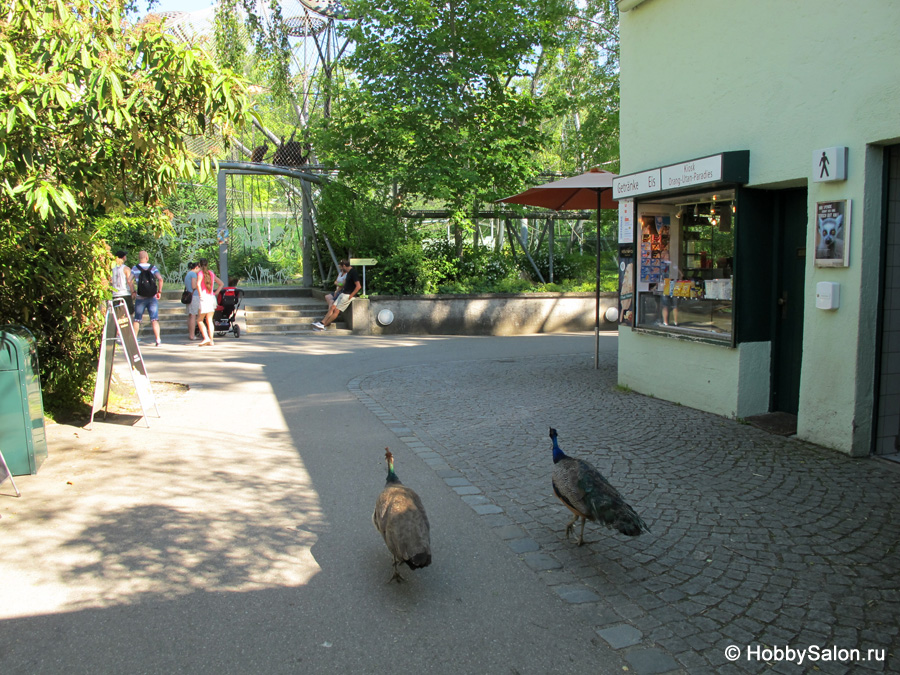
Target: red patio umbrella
577	193
590	190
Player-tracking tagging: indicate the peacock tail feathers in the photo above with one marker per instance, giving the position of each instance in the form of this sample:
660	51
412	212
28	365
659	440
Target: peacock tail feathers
605	505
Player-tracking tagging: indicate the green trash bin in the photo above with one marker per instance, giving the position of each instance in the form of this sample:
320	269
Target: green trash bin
23	440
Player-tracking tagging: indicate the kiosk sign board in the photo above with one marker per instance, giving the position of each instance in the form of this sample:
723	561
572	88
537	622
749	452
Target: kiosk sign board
636	184
695	172
727	167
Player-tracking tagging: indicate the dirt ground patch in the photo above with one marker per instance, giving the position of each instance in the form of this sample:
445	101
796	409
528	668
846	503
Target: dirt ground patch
123	398
123	401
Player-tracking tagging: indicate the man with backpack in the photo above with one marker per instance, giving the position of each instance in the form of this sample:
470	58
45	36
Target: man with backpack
148	284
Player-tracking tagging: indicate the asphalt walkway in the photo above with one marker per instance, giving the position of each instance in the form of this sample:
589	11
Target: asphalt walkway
235	535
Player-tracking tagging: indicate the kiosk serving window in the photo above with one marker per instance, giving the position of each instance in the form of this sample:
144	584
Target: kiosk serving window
685	264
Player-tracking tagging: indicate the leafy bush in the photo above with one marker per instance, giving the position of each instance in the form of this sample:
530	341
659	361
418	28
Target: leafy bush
358	224
435	268
53	281
591	286
454	287
486	266
243	262
442	258
136	228
407	272
152	229
514	285
518	285
90	128
286	262
551	288
477	271
572	267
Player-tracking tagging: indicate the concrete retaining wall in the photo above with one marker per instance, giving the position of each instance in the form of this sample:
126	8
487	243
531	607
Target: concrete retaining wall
487	314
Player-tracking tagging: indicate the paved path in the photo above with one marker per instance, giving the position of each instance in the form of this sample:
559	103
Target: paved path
235	534
757	541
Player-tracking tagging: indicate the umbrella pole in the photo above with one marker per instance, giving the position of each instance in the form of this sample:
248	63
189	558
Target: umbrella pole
597	293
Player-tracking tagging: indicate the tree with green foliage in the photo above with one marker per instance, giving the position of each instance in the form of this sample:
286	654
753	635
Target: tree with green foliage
581	76
94	118
434	107
357	225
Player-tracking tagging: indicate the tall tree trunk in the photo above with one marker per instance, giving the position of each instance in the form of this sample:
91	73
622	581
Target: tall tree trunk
458	238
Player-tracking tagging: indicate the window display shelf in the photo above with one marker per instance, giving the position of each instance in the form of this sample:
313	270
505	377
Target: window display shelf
695	316
686	267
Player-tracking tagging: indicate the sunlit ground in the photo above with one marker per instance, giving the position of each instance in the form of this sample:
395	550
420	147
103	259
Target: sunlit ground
122	512
214	495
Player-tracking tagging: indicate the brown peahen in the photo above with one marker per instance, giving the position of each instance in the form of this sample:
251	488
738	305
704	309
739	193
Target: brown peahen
590	496
400	518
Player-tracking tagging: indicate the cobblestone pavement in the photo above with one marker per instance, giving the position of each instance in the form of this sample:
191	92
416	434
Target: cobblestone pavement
759	542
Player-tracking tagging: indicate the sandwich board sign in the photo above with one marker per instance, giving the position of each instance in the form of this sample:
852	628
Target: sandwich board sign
118	329
6	473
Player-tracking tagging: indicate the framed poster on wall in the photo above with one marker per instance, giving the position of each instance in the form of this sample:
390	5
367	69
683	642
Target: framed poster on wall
833	233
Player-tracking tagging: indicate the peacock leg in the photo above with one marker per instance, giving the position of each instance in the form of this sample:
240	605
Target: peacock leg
581	536
571	526
396	576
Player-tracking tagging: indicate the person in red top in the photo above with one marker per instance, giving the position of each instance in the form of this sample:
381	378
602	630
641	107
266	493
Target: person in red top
207	285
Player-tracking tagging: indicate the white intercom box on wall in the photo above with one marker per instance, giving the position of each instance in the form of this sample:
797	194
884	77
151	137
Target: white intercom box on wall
828	295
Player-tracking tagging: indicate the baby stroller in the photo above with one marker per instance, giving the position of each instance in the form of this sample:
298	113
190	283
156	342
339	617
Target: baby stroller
224	318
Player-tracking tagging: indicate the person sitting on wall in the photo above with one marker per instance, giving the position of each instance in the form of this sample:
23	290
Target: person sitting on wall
350	289
338	287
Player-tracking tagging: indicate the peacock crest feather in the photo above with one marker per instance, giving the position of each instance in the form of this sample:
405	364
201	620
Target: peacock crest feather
391	476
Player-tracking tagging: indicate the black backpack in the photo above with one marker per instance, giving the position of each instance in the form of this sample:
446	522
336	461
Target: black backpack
146	285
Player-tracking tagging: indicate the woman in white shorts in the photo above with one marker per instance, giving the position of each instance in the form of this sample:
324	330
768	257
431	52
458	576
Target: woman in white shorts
207	285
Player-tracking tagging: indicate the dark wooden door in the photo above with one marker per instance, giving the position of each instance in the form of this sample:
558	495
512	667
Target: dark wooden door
787	357
887	393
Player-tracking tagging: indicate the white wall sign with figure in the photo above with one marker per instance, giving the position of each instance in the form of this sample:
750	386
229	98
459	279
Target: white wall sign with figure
829	164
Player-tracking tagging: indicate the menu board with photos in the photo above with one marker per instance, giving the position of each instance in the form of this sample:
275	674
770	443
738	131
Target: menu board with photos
654	248
626	285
